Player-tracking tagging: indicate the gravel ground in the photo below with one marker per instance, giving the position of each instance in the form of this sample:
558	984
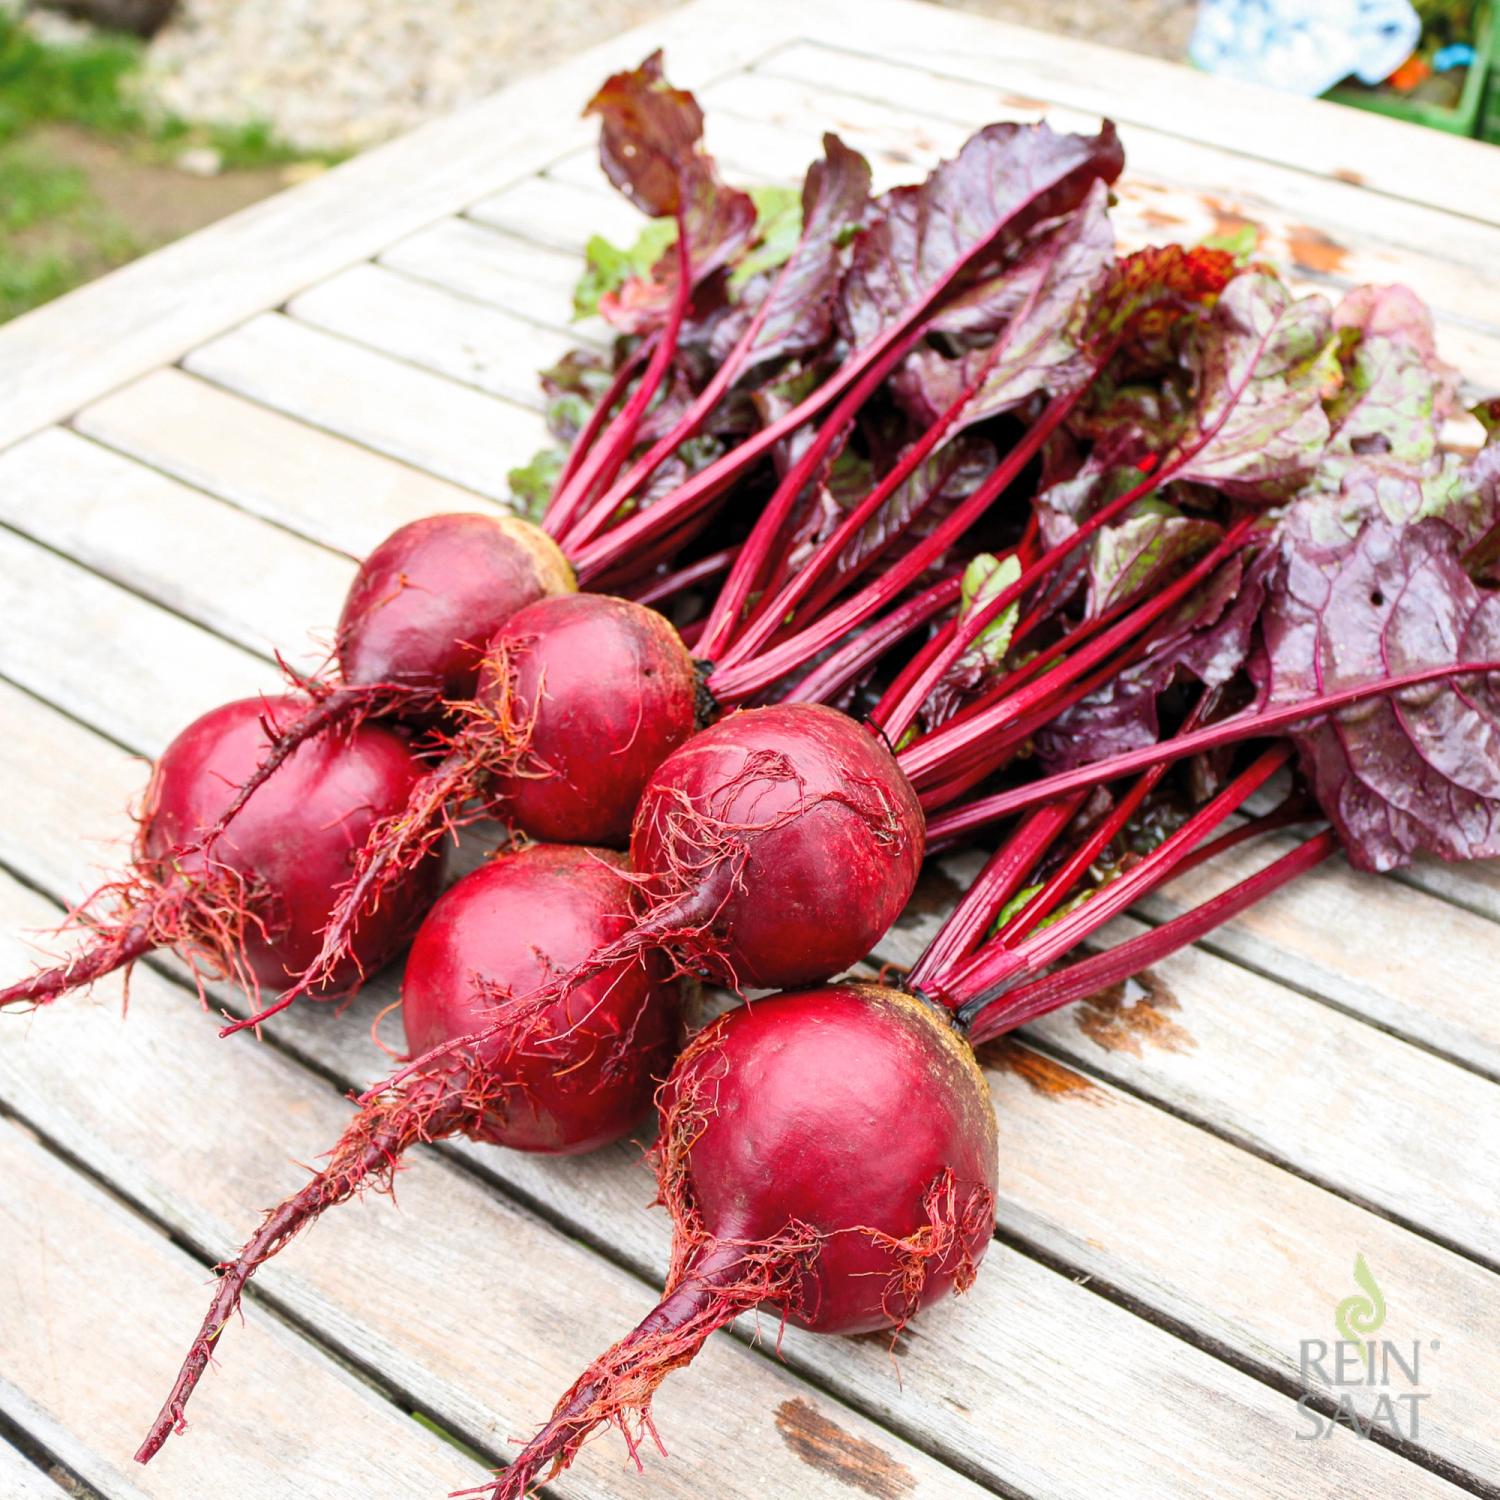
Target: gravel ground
340	74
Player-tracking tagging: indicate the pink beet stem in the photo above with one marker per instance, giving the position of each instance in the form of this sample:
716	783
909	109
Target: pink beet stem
836	671
746	678
769	530
696	492
603	460
997	966
1227	731
1003	875
1089	975
564	502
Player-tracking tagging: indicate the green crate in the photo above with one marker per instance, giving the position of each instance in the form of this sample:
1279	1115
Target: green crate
1477	112
1489	115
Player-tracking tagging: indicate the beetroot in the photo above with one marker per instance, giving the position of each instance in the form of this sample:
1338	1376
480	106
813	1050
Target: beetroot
790	1188
580	698
607	690
777	846
584	1076
253	907
426	600
414	625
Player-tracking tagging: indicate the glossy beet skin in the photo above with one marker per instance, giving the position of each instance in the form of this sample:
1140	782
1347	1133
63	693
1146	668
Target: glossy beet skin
429	597
296	838
606	691
828	1155
589	1072
802	832
837	1108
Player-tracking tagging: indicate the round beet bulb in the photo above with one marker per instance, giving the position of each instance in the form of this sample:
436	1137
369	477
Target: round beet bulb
254	906
829	1156
607	691
779	845
583	1077
587	1073
429	597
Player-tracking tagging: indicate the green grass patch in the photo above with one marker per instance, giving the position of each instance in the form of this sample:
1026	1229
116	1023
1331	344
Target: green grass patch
53	232
86	82
34	187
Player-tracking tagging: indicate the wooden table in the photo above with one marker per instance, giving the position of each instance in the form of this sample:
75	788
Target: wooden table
194	451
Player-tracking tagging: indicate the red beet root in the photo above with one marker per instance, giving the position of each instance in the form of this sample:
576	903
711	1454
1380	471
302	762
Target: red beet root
414	626
429	597
608	691
789	1188
587	1076
580	698
254	907
777	846
584	1077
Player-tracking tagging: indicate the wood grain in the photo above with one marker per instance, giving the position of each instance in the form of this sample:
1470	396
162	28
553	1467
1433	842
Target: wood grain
90	1324
448	429
319	486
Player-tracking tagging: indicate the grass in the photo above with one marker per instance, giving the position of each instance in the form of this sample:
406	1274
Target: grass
54	234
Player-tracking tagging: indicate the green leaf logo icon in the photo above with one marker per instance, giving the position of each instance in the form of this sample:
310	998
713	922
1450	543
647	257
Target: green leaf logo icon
1364	1312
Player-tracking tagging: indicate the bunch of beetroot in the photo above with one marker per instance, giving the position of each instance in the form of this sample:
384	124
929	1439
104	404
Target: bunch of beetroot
899	518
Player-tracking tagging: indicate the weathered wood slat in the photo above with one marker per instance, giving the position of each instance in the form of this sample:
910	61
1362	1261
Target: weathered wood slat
557	214
22	1480
449	429
1056	1343
89	1330
209	561
1309	1087
428	326
1417	964
123	664
322	487
1475	885
491	266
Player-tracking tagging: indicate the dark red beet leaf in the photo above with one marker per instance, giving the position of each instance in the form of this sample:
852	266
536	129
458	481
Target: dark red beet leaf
1395	778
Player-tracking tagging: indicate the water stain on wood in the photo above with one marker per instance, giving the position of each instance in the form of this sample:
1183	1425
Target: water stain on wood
1228	221
1042	1074
1312	250
824	1445
1124	1017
